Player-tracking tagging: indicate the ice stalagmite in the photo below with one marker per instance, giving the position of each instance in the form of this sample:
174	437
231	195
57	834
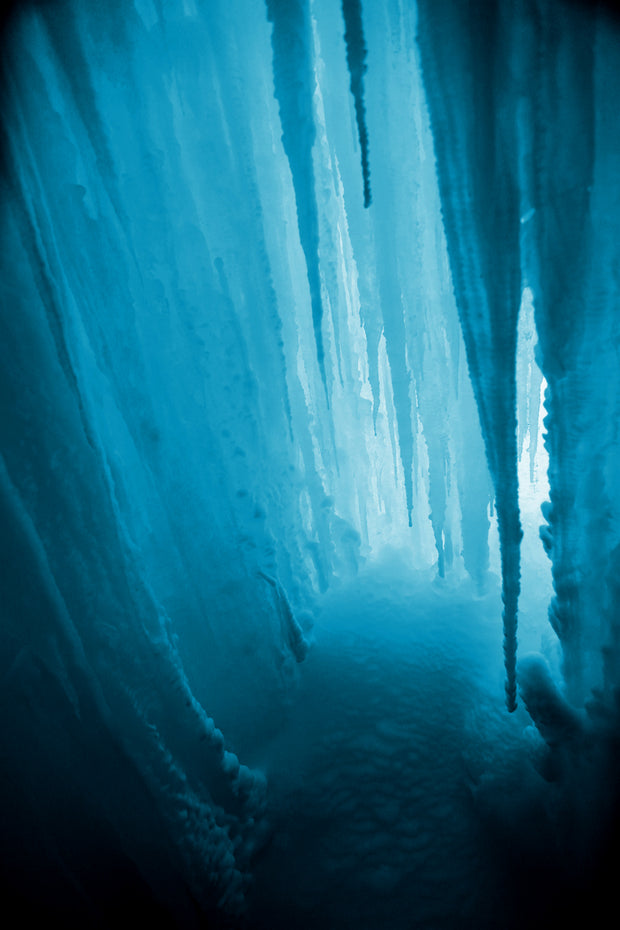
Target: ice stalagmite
356	61
293	76
467	77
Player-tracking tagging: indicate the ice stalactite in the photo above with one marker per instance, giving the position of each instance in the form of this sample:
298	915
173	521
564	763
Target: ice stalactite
467	74
575	195
356	61
395	342
373	329
530	377
387	222
561	182
524	141
294	82
475	487
340	136
432	396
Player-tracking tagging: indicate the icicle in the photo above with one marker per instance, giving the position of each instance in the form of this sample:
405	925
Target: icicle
563	143
474	483
468	89
393	313
293	77
395	343
356	62
373	331
437	457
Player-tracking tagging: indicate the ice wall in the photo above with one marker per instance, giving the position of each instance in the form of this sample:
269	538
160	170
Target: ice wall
574	228
224	383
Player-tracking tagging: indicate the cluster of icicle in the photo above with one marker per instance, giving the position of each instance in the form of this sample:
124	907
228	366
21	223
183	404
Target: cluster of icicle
525	143
215	331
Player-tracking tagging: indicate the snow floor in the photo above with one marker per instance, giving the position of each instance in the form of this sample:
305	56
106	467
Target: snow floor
398	719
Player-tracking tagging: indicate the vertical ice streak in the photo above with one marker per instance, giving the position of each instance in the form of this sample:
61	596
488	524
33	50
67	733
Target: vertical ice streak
574	194
468	82
293	76
391	229
395	343
356	63
561	181
372	321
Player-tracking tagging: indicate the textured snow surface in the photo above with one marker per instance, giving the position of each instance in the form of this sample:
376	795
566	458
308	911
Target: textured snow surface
401	793
372	811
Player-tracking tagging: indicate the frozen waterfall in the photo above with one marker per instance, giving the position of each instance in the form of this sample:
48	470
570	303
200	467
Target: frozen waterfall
309	319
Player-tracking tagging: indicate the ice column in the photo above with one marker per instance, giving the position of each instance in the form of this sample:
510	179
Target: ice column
467	72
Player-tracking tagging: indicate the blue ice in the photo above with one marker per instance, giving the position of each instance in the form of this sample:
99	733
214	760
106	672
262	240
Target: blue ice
309	322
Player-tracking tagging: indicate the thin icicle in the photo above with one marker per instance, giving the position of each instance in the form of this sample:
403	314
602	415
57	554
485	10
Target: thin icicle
395	342
356	63
293	76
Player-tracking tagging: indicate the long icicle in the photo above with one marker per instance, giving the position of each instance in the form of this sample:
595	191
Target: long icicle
356	63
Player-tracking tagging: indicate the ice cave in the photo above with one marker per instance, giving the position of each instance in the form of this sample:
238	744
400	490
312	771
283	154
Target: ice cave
310	464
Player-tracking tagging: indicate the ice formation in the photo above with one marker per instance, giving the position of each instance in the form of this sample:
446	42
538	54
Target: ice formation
234	373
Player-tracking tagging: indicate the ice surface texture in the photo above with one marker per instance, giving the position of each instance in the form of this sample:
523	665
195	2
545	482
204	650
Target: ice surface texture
229	376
